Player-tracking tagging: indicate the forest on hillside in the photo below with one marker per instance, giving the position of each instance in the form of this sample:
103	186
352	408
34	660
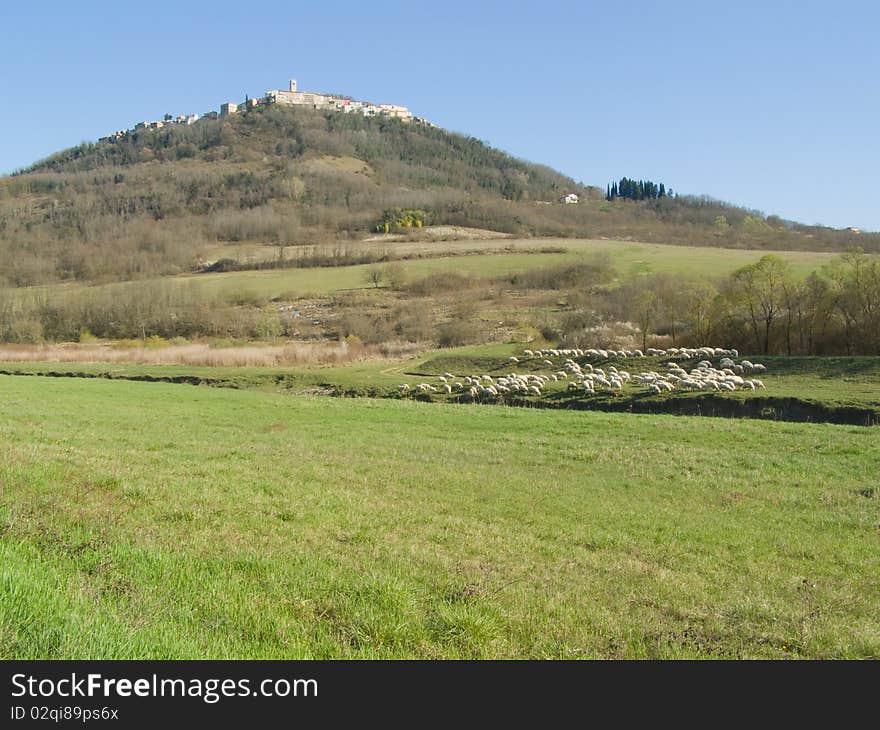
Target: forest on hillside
149	204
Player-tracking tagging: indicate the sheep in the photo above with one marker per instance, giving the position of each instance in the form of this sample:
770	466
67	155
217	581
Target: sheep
591	380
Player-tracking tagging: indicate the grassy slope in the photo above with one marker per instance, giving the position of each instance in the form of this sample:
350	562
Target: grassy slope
155	520
628	257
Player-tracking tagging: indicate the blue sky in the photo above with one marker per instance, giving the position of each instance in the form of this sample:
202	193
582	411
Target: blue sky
772	105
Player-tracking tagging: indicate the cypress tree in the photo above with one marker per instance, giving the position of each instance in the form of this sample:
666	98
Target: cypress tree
631	189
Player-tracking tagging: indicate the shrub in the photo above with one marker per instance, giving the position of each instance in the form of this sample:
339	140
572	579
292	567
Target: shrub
458	332
444	281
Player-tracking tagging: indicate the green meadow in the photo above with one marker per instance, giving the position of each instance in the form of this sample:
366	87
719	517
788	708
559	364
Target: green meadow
828	381
160	520
485	259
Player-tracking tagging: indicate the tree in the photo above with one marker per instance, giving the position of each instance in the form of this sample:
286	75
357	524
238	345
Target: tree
792	294
645	308
814	308
855	278
700	298
374	276
636	190
395	276
759	289
671	303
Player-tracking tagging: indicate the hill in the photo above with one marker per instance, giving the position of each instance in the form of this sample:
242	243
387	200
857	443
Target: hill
154	202
149	203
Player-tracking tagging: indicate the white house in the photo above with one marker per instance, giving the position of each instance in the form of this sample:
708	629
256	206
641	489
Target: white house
570	198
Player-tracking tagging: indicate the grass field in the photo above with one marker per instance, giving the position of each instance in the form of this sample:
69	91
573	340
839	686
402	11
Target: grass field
831	381
627	257
150	519
487	258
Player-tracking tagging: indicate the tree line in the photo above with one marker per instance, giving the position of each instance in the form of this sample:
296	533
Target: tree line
761	308
627	189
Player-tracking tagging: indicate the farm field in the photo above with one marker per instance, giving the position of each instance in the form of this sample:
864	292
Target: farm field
161	520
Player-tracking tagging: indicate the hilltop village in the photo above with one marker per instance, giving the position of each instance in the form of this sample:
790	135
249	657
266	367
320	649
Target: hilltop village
288	97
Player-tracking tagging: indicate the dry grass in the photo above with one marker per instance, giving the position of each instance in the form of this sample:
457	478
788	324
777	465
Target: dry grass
291	353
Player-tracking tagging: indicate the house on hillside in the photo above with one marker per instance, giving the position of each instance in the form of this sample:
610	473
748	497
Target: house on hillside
570	198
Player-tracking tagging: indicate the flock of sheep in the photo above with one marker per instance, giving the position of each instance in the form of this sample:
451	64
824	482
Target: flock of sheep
586	379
